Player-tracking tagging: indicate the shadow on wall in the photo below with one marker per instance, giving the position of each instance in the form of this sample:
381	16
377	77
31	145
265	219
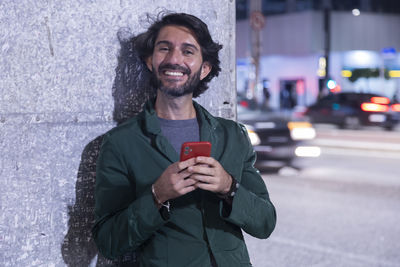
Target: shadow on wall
131	89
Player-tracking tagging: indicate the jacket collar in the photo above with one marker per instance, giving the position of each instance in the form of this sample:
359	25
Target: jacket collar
207	126
152	125
207	123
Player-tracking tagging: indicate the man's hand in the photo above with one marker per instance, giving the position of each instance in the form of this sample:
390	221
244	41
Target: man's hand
174	181
210	175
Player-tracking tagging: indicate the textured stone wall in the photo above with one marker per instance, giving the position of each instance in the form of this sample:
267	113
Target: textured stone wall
67	75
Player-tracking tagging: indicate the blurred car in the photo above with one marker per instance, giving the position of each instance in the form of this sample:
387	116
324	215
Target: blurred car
353	110
277	138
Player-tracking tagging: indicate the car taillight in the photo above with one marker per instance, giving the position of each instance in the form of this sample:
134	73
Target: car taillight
380	100
244	103
396	107
373	107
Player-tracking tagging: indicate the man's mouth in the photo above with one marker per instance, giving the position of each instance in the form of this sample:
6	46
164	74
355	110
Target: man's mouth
173	73
173	70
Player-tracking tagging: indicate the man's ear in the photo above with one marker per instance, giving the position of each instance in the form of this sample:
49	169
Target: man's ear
205	69
148	63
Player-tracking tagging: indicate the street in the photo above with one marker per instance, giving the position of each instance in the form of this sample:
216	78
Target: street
341	209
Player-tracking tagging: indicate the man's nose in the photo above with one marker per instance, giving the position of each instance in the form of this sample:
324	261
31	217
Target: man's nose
174	57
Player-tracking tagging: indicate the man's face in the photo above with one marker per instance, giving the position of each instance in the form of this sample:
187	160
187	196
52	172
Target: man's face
176	63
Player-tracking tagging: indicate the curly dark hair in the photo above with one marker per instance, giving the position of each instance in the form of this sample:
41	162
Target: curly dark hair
144	42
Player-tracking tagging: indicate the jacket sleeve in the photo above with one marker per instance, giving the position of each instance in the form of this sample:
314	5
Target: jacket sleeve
251	209
123	221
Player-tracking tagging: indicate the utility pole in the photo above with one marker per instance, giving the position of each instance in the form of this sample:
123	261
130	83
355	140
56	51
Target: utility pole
257	22
327	44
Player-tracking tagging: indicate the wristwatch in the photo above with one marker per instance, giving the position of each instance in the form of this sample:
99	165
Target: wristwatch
232	190
165	207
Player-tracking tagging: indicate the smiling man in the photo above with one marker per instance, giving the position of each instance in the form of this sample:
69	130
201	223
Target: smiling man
176	45
168	212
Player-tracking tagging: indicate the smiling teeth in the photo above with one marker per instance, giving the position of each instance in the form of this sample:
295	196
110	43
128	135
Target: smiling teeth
173	73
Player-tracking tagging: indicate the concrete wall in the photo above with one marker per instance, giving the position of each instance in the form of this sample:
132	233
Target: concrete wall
67	74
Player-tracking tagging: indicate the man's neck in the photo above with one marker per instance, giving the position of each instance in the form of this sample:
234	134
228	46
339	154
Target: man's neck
175	108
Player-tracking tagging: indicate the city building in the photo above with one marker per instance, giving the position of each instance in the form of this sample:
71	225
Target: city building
308	48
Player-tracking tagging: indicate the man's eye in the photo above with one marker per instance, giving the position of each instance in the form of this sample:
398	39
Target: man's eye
163	49
188	52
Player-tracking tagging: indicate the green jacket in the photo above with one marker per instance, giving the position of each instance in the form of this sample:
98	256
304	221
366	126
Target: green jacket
133	156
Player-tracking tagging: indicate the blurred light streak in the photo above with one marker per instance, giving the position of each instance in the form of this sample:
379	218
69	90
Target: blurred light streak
321	67
331	84
298	124
254	138
347	73
396	107
380	100
361	59
394	73
321	73
336	89
373	107
265	125
308	151
356	12
303	133
300	88
301	130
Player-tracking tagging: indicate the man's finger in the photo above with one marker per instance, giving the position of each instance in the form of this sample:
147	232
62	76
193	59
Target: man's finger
189	182
201	169
203	178
205	160
187	189
185	164
182	184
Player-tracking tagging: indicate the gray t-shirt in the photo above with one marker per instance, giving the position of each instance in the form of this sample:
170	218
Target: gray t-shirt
179	131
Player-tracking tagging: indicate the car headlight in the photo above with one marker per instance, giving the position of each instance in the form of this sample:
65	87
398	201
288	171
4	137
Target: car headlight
254	139
301	130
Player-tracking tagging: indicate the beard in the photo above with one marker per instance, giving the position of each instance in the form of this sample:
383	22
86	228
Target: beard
176	91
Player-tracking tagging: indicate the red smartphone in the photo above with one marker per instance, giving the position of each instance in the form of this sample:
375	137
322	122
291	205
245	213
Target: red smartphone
195	149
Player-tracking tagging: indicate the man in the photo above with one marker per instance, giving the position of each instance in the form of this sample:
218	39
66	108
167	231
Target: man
174	213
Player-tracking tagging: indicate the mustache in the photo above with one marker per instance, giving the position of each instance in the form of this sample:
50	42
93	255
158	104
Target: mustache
177	67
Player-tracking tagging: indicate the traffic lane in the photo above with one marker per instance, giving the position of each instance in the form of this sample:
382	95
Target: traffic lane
329	217
324	131
326	224
354	165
